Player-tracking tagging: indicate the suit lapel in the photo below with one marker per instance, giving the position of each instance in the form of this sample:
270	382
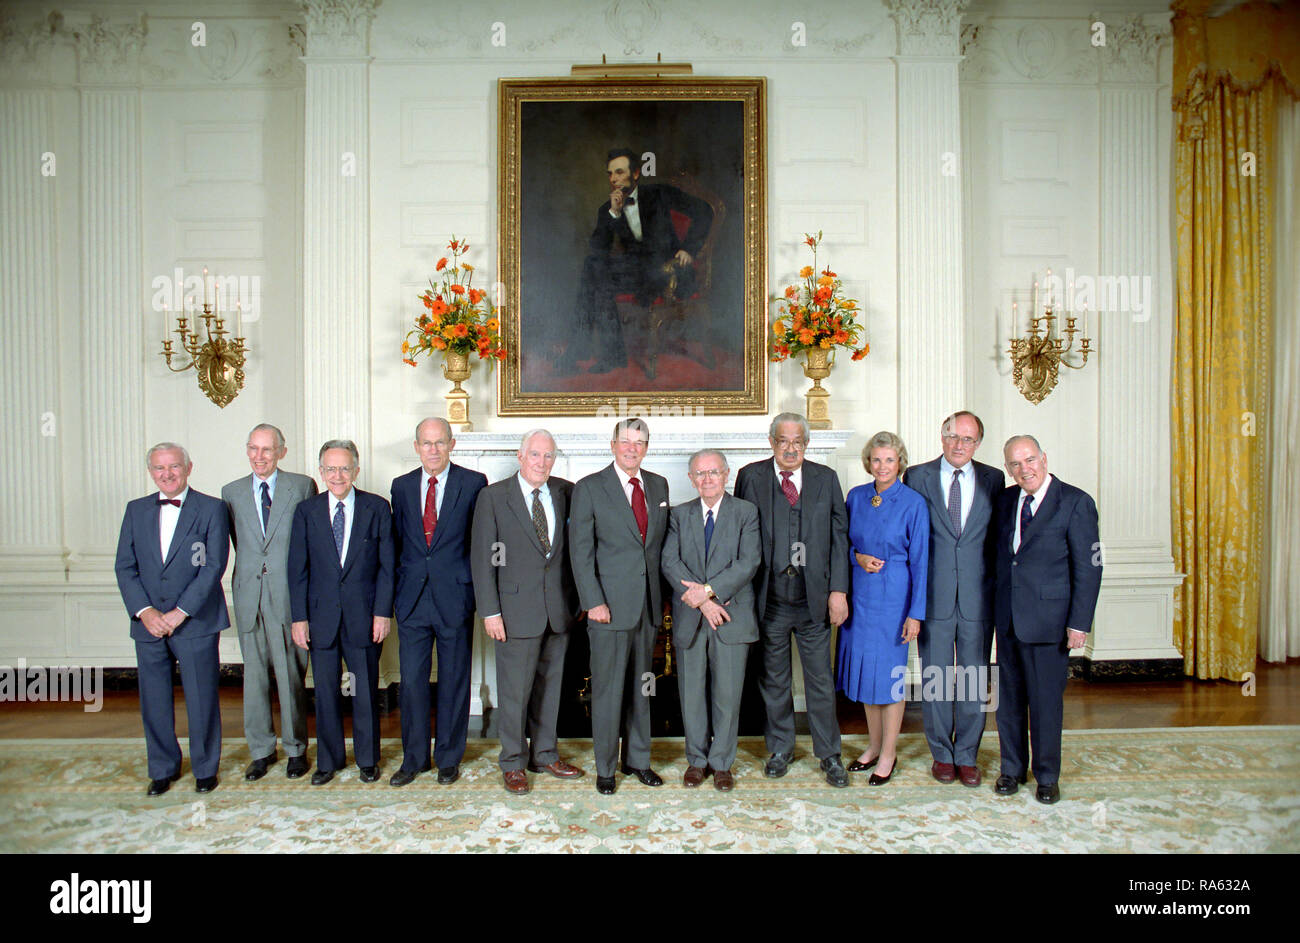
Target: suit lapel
360	515
280	502
981	508
614	490
766	489
152	512
561	505
718	530
652	501
934	491
451	494
183	524
515	499
1051	504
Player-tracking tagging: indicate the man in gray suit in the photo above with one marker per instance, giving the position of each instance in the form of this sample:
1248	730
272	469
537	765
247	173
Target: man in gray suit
616	534
711	554
523	581
260	507
955	639
801	589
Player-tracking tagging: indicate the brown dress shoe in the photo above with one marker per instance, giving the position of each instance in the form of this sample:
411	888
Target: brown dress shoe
516	781
970	775
722	780
944	772
694	776
559	769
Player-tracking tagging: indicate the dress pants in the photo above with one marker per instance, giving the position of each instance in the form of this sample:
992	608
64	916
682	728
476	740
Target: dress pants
416	657
954	723
619	663
710	679
268	649
529	674
327	671
1031	681
784	616
200	675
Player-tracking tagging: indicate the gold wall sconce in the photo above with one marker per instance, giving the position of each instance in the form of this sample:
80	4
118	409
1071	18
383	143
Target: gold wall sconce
218	362
1037	357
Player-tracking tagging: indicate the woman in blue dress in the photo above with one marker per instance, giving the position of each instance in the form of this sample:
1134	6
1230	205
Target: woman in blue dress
889	539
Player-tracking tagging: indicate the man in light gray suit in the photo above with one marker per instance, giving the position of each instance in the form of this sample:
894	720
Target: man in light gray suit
260	507
616	533
710	556
524	589
956	637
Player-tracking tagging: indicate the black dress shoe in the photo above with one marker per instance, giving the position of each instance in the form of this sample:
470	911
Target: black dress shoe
1048	793
448	774
404	776
778	764
158	786
321	777
206	784
605	785
1008	785
647	776
877	780
835	772
297	767
257	769
857	766
369	774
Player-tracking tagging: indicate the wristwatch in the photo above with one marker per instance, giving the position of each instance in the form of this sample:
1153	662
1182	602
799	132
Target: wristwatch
709	589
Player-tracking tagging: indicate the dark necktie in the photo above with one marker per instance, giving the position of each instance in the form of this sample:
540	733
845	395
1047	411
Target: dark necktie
639	509
338	529
630	201
176	502
1026	515
954	501
539	522
708	531
430	511
787	486
266	506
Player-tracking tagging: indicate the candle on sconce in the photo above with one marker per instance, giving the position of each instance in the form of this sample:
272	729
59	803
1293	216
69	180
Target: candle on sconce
205	286
239	319
167	322
1034	311
1047	284
1069	299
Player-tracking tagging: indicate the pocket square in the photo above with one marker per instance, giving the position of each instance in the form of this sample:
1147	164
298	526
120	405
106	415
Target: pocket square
663	504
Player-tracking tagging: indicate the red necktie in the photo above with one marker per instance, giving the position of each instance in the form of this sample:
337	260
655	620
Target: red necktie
787	486
430	511
639	509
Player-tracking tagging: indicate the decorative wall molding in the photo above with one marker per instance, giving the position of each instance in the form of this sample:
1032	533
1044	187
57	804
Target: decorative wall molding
338	28
108	52
928	27
1038	50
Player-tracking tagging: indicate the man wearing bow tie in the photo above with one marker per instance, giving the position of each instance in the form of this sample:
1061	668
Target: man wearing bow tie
170	557
1048	578
261	506
634	249
616	534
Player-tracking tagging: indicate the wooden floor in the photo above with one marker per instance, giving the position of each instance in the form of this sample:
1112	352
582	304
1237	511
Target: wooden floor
1088	705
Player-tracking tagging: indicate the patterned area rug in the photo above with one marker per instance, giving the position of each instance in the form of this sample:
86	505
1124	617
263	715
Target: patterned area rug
1213	789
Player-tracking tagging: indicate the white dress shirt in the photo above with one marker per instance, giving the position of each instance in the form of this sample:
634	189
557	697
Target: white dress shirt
349	512
168	515
796	476
965	485
626	479
257	494
632	211
547	506
1039	497
425	478
705	509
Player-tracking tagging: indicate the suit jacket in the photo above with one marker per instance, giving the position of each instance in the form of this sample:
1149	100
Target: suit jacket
825	531
512	576
656	204
345	598
442	566
734	557
261	564
189	578
962	569
1051	584
611	566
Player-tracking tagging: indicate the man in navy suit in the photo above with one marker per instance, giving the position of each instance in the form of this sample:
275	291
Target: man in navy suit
432	510
1049	574
341	598
170	558
634	249
957	633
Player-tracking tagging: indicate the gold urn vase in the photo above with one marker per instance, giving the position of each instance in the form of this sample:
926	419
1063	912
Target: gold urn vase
455	367
817	367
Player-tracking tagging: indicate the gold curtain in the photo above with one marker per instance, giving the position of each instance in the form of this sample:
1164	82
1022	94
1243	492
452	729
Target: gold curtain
1228	74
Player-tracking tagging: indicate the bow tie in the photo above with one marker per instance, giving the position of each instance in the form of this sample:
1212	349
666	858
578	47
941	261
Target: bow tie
172	501
630	201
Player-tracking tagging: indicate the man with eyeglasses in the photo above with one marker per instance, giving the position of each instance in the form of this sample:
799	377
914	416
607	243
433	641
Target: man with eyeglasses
170	557
801	590
1048	579
341	596
957	633
616	535
433	506
710	555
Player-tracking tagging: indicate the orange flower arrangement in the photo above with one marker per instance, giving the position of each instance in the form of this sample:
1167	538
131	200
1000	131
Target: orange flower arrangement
815	314
457	318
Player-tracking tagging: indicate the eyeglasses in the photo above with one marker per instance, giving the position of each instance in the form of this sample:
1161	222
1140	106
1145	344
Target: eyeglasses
336	469
796	444
963	439
708	473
